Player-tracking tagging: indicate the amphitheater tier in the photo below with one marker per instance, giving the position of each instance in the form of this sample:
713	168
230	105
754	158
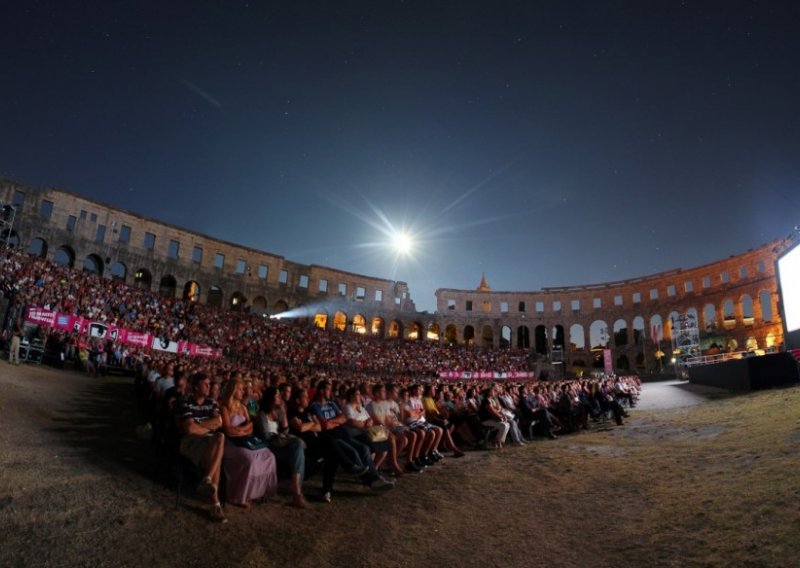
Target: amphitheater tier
735	299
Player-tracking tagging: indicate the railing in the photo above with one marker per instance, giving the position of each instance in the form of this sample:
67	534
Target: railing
711	359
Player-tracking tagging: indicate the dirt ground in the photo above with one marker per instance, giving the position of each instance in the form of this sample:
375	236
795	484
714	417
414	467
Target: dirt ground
708	485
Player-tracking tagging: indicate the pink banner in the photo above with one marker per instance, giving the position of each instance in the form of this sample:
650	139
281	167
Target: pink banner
100	330
485	375
608	365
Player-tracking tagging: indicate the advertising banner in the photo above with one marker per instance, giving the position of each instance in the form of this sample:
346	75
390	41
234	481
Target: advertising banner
100	330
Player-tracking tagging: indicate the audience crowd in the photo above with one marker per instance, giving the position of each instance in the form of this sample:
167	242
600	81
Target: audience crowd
291	398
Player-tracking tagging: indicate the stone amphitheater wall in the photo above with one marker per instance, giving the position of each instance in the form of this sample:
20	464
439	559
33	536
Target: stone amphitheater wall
62	226
65	227
741	291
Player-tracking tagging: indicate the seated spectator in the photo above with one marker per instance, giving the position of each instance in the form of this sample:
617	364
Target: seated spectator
358	422
306	426
440	418
250	471
351	451
492	416
202	442
288	449
414	418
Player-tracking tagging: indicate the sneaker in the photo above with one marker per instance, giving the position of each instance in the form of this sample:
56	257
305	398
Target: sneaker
358	470
381	484
326	497
206	487
413	468
216	514
420	464
428	460
438	455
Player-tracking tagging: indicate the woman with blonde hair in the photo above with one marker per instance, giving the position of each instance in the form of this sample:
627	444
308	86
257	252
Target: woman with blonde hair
248	464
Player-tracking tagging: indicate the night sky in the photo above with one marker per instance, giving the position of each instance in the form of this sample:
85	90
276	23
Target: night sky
543	143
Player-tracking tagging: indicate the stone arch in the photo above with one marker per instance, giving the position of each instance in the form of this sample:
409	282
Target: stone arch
167	286
238	301
414	331
639	334
359	324
191	291
94	264
540	339
622	363
620	332
38	248
321	320
751	343
119	271
598	334
487	337
451	334
523	337
672	317
215	297
280	306
395	329
640	361
728	314
12	237
260	303
709	318
469	335
577	339
434	332
769	341
657	328
64	256
340	321
378	326
765	300
558	335
505	336
748	313
142	279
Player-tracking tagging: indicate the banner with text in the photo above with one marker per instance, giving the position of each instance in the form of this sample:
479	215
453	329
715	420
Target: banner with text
83	326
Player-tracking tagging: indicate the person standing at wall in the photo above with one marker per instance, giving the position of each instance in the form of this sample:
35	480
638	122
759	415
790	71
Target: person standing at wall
13	350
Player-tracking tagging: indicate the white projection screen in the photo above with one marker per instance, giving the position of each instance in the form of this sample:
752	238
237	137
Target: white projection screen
789	289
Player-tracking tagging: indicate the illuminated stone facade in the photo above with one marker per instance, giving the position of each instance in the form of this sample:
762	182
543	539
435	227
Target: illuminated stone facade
733	299
67	228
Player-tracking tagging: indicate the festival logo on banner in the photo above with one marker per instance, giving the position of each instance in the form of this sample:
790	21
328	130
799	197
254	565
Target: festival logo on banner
164	344
136	338
41	316
98	330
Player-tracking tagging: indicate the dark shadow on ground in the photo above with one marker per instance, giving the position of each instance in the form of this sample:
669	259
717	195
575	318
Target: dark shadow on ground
100	424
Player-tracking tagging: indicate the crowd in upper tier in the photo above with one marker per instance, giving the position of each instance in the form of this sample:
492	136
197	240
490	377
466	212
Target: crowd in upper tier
292	394
261	342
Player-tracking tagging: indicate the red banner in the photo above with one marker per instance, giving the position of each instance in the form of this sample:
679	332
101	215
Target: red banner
83	326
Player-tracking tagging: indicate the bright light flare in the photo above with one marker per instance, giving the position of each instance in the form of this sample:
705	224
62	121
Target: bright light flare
402	243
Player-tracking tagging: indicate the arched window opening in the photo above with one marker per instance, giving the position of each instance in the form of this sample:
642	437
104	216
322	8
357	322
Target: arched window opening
620	332
167	286
119	271
577	340
340	321
214	297
143	279
505	336
377	326
469	335
38	248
